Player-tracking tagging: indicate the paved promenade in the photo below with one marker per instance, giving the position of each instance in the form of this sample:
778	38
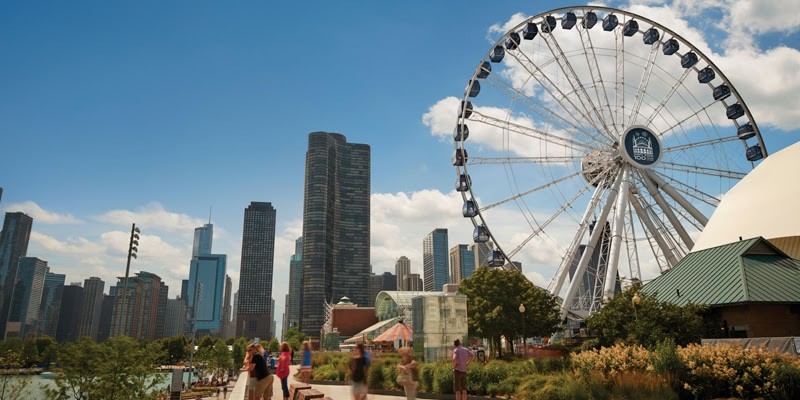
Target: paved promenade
335	392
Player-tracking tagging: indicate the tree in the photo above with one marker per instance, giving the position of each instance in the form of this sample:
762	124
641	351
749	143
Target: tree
79	362
11	386
175	349
493	299
220	358
48	349
294	337
207	342
645	323
273	345
238	352
13	345
30	354
118	369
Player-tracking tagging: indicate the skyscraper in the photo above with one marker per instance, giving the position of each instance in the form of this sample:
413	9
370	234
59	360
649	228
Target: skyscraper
143	293
184	288
226	309
106	313
462	263
207	293
69	316
203	236
254	316
92	307
23	318
336	226
402	268
413	282
13	245
51	303
379	283
295	295
161	313
480	252
175	317
434	260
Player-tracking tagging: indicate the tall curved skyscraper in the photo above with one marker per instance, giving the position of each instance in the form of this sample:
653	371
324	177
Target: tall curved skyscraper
254	314
336	226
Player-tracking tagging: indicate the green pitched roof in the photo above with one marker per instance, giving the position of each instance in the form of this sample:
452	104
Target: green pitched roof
746	271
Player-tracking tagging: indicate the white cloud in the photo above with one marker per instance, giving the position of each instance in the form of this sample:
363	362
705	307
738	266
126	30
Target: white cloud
153	216
762	16
771	94
41	215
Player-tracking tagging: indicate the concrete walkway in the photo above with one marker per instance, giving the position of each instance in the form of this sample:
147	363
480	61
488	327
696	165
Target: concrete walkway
335	392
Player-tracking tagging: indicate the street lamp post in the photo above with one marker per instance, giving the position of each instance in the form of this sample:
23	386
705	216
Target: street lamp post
522	311
132	250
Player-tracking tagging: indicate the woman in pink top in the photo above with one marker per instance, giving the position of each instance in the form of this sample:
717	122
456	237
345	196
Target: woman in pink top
282	370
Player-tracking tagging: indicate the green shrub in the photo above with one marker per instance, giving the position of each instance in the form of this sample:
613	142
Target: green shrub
561	386
376	378
641	386
326	372
426	372
390	375
665	358
443	379
787	382
556	364
342	372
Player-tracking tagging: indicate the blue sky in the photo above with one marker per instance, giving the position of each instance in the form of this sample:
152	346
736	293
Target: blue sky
152	112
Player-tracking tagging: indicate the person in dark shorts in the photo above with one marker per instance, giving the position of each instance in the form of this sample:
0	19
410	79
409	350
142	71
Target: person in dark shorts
358	373
461	358
263	384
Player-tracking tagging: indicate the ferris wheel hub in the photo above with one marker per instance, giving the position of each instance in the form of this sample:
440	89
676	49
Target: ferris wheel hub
640	147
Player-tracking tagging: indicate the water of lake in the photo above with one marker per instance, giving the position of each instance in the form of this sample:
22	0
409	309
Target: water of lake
38	384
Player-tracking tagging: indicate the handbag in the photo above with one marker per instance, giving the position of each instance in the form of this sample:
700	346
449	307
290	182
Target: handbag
404	378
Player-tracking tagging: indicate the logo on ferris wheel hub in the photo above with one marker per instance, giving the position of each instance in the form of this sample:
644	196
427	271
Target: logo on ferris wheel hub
641	147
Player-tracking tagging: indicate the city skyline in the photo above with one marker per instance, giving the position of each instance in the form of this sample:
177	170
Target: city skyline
92	107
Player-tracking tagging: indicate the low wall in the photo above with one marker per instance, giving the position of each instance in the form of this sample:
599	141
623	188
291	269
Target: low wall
239	391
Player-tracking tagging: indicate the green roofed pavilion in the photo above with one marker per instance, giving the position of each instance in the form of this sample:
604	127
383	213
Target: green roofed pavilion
753	285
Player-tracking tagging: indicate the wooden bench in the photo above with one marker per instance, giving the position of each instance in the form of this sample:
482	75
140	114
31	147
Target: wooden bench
307	394
295	388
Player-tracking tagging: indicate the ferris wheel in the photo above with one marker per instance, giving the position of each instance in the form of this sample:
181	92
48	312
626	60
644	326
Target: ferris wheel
594	143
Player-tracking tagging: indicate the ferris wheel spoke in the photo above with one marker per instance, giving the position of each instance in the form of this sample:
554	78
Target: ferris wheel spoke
616	236
669	95
483	118
640	91
666	210
652	231
577	86
542	110
669	190
534	190
554	90
710	142
619	85
523	160
720	173
563	270
631	247
580	270
540	227
594	68
692	191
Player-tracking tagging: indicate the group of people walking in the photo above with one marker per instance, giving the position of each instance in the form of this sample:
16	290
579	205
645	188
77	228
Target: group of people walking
260	381
259	384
